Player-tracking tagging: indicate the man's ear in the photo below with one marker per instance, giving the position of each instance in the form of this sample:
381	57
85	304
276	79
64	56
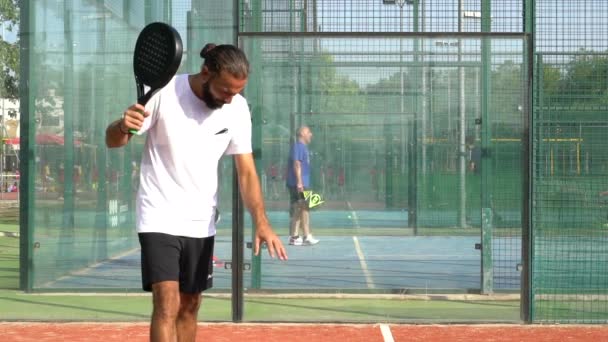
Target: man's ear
205	73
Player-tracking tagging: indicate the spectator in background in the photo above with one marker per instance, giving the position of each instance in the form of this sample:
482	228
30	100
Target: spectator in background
13	187
475	157
273	171
341	181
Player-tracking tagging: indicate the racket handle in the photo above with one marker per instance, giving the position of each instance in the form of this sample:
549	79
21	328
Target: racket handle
142	100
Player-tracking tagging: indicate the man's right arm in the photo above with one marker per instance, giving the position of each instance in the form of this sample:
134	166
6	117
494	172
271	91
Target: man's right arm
297	169
117	133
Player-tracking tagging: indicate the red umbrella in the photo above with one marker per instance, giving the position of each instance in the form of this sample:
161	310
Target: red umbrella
49	139
11	141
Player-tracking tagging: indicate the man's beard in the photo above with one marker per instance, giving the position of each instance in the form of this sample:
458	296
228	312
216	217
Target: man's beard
208	98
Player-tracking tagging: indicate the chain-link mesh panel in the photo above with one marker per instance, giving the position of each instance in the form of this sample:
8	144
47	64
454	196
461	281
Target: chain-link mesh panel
388	153
570	259
378	16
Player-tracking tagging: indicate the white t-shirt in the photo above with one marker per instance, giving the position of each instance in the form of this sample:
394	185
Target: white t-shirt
179	168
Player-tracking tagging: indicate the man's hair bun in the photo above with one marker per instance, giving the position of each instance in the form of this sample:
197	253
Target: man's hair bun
206	49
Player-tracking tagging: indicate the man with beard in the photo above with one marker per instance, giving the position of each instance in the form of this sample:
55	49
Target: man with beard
190	124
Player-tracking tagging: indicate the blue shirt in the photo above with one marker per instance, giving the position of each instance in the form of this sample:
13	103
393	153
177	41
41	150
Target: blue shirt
298	151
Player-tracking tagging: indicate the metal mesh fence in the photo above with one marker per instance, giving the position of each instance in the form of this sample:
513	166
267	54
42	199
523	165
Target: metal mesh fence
569	262
398	121
367	16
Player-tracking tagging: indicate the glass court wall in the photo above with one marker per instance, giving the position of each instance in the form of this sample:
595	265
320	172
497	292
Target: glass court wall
77	215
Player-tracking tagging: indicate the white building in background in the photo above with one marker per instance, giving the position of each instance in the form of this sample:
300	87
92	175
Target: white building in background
9	146
49	113
9	118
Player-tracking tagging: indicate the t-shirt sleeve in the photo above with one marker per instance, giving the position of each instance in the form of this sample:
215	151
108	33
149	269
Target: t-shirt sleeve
292	152
240	142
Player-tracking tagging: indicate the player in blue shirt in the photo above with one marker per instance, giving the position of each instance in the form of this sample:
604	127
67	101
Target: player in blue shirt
298	180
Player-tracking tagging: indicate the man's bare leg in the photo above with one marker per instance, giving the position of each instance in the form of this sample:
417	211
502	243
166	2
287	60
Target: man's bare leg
294	223
166	302
305	221
187	317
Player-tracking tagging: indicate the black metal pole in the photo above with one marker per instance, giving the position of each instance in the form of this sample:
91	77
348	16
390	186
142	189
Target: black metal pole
238	239
526	309
26	150
527	184
237	250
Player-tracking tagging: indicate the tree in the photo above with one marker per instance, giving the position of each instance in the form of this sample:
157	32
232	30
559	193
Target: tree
586	78
9	51
338	93
551	80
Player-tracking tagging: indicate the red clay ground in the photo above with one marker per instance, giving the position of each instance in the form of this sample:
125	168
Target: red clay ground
97	332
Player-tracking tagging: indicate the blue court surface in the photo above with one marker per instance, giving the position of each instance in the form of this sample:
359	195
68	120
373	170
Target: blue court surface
337	262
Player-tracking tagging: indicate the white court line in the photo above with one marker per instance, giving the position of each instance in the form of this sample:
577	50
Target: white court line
368	276
386	333
353	215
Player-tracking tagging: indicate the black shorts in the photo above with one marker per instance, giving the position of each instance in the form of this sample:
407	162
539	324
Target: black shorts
295	196
187	260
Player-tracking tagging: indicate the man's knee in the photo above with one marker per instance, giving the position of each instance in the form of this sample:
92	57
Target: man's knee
166	299
189	303
295	209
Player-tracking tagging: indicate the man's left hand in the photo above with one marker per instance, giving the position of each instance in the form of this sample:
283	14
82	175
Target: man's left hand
273	243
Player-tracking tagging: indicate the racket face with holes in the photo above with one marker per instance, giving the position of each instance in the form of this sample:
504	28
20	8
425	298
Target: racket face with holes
157	56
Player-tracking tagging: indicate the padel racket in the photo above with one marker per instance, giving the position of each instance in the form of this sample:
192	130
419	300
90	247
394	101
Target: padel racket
158	53
312	199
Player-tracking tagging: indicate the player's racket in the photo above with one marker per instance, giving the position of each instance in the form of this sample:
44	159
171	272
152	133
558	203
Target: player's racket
313	199
157	56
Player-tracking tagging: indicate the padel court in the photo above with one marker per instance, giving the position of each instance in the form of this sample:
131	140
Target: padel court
343	262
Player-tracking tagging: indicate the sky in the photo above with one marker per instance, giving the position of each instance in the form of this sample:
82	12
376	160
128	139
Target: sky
7	35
